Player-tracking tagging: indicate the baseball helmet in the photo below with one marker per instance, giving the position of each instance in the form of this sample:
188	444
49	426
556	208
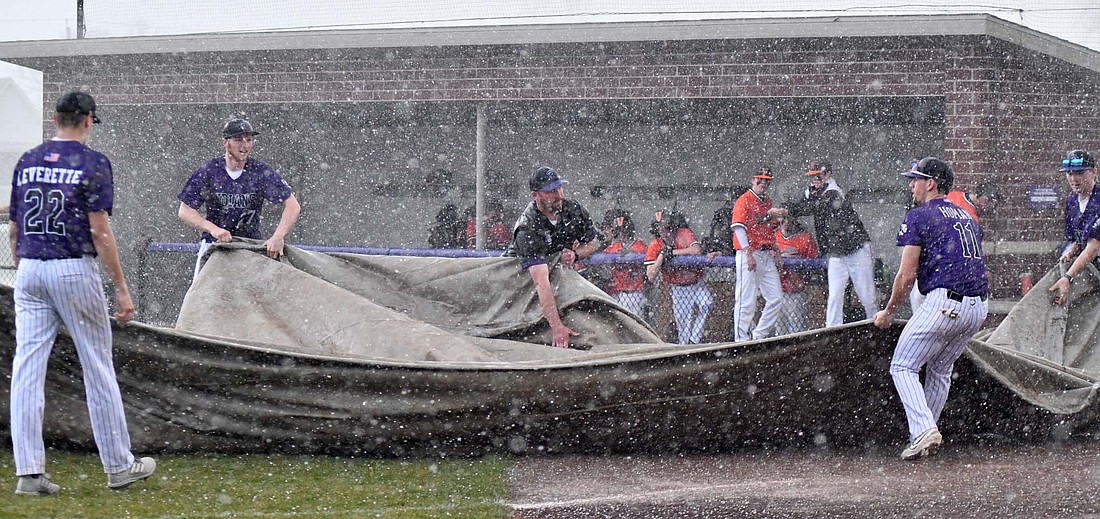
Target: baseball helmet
669	219
619	220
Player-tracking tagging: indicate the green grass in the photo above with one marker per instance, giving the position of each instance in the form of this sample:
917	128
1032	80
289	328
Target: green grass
268	487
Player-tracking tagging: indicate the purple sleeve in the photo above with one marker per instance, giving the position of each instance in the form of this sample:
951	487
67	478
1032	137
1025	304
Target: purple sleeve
276	190
1093	233
1068	234
100	187
192	190
910	232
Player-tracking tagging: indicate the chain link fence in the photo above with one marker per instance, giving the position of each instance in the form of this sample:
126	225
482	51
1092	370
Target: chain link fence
669	308
7	259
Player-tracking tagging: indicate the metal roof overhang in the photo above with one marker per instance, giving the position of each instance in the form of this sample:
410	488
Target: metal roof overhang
771	28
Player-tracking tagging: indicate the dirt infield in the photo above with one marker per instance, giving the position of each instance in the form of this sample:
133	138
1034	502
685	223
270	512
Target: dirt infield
968	481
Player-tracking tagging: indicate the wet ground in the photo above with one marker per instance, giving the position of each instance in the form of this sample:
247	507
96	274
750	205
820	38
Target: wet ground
969	481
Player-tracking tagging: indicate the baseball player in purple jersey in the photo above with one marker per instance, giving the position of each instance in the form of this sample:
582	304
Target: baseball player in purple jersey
1082	214
233	188
941	251
62	194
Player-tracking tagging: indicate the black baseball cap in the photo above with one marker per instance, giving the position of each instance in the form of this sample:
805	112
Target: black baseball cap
1077	160
932	168
545	179
237	127
77	102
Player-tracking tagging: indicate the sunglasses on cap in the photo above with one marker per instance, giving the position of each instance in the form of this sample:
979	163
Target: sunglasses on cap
1075	162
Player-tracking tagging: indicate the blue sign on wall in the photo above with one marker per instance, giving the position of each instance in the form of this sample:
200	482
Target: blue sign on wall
1043	197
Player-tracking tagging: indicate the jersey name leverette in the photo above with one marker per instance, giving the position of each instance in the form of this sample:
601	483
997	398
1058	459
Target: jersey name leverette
955	212
49	175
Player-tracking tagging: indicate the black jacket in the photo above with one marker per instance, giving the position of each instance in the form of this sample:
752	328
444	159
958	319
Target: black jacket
839	230
535	239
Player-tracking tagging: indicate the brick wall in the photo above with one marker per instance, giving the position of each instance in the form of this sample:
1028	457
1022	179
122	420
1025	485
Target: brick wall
1010	117
733	68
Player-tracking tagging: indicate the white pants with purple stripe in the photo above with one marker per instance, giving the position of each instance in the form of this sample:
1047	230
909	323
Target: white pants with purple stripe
933	339
47	294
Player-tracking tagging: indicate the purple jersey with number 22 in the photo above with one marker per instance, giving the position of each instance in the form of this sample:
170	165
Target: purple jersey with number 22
951	248
234	205
54	187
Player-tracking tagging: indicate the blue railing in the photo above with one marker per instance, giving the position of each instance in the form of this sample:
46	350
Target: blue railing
596	259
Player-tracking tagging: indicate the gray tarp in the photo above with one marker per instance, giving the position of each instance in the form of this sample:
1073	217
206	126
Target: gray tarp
1048	354
390	355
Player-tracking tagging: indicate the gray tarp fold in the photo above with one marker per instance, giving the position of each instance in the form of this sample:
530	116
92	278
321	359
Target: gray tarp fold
341	353
1048	354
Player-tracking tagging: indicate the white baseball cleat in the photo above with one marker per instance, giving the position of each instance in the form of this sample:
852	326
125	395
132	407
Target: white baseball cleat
39	485
925	445
141	469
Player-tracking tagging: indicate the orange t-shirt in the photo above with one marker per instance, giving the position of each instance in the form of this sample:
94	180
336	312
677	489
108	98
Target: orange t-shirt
497	235
959	198
805	247
676	275
751	212
627	278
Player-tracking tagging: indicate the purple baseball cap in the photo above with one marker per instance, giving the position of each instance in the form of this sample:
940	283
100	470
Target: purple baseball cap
545	179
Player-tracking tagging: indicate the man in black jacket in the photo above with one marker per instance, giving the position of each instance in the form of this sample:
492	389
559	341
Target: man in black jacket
551	224
841	237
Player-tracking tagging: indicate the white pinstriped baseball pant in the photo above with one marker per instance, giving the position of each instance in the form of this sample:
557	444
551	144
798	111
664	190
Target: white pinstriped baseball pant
47	294
934	340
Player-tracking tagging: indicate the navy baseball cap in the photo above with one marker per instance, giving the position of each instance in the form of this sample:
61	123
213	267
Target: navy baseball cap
1077	160
545	179
932	168
237	127
77	102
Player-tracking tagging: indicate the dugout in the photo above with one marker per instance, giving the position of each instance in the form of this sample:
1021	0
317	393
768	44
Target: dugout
378	128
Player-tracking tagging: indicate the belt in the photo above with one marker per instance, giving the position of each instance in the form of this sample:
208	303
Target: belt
955	296
61	258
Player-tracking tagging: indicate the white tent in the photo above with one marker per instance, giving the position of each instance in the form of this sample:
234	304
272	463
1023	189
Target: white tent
21	104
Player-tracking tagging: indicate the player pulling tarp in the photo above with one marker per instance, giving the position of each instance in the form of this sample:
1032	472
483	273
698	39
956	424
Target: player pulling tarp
398	355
